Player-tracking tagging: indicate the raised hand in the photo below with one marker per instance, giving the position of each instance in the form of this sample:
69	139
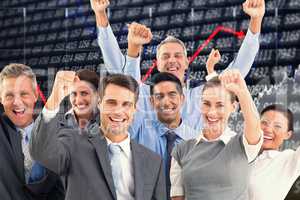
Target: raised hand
254	8
233	81
61	88
99	5
213	58
138	34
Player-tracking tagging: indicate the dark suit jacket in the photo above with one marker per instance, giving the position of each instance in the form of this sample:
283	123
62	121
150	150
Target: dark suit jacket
83	160
12	178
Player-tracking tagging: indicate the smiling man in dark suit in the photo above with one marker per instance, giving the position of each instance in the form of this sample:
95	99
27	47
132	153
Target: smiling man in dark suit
21	177
102	163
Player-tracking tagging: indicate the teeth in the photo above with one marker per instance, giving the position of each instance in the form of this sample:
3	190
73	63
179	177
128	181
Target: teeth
116	119
267	137
81	106
212	119
19	110
172	69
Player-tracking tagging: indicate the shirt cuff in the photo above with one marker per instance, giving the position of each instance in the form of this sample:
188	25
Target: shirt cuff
132	67
177	191
252	150
211	76
49	114
103	32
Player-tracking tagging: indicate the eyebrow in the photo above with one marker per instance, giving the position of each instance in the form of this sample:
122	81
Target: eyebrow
275	122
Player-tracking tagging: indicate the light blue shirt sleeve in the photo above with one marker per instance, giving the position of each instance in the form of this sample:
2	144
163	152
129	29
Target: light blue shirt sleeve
246	54
114	60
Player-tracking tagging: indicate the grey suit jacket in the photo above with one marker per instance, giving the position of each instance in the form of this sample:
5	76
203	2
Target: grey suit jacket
12	178
83	160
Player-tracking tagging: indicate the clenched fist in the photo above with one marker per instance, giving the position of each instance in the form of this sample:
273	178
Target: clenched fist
99	5
139	34
213	58
233	81
61	88
254	8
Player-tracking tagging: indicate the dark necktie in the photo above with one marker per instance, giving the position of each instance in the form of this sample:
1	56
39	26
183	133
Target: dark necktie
171	137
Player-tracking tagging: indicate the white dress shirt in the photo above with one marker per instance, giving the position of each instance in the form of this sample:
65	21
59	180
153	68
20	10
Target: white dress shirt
126	188
273	174
252	151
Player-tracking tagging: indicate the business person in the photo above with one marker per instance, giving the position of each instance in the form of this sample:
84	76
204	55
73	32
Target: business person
21	177
103	163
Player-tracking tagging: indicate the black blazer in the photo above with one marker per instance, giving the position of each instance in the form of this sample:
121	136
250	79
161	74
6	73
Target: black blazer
12	177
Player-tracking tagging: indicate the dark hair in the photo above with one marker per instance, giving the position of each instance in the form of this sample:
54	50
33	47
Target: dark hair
216	82
121	80
165	76
284	110
88	76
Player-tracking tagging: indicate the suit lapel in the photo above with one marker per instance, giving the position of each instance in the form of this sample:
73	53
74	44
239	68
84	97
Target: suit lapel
100	145
14	146
139	170
16	142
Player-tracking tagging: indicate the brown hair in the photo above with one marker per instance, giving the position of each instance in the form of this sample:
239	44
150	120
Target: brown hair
216	82
88	76
121	80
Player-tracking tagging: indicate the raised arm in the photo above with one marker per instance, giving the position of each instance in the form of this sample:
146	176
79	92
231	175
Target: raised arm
234	82
213	58
114	60
138	35
250	46
47	147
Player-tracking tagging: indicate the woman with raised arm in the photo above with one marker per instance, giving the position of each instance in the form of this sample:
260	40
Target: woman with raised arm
216	164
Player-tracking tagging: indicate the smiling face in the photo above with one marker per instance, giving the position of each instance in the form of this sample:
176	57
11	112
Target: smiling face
117	107
216	107
84	99
171	58
18	98
167	102
274	125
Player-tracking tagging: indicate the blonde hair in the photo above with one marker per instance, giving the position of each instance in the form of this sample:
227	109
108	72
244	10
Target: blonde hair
15	70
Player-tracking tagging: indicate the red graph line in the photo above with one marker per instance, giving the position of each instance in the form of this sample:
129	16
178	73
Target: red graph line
43	98
218	29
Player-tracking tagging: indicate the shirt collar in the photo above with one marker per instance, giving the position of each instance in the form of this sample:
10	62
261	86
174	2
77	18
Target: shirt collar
70	112
125	145
180	131
268	154
225	137
27	129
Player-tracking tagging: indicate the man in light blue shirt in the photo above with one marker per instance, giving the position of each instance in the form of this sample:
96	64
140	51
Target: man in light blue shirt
162	134
166	100
171	57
